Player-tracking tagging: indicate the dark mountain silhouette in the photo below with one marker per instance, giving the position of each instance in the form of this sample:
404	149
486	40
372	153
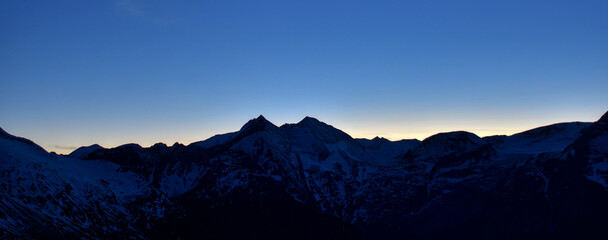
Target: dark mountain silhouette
310	180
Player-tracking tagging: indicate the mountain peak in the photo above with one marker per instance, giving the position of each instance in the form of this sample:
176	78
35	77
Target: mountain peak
309	121
323	130
313	123
451	138
82	152
95	146
259	123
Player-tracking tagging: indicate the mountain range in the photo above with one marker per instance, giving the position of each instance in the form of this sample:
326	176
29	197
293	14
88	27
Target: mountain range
310	180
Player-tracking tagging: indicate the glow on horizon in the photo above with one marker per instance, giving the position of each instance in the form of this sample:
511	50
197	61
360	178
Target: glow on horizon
75	73
422	131
356	129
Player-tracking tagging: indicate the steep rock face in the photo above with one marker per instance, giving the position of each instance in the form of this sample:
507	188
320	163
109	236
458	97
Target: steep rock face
271	182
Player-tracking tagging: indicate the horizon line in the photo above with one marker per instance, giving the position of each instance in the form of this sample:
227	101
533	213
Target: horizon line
65	148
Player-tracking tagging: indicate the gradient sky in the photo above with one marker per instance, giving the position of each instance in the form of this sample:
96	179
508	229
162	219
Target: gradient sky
75	73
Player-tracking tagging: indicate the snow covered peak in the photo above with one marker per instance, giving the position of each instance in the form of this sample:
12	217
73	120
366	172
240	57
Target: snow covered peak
447	143
309	121
82	152
458	137
254	132
317	127
322	131
257	124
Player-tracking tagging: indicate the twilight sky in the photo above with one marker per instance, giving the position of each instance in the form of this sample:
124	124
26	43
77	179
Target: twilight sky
75	73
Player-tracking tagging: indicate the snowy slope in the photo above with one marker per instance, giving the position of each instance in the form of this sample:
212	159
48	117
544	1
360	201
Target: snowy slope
65	194
81	152
550	138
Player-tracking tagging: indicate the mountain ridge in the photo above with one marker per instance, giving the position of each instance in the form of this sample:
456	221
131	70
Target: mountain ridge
271	182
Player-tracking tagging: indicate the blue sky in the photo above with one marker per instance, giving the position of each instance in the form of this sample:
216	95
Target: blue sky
75	73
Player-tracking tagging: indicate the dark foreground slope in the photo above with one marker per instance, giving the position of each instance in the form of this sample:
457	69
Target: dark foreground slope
312	181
